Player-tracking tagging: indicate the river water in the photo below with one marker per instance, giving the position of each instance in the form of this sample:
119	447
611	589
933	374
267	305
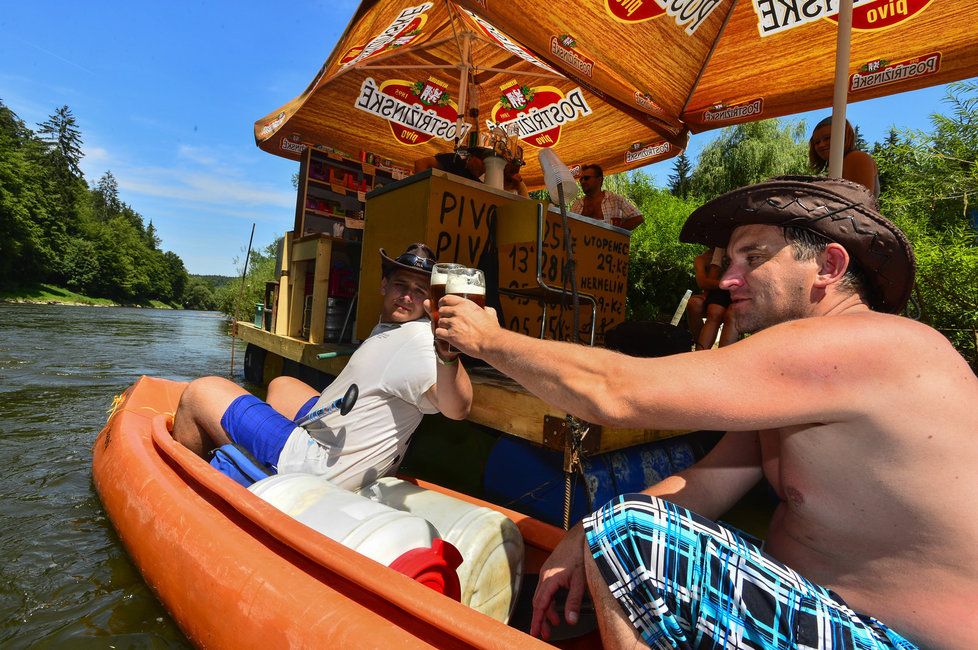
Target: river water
65	580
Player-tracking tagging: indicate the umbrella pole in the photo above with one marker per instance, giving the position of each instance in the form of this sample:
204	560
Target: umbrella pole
463	86
840	95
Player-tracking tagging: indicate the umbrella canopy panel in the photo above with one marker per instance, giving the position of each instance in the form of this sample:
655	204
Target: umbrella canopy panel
712	63
394	83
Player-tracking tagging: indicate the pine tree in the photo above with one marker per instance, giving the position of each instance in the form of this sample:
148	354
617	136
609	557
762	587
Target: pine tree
63	138
679	180
152	240
106	197
860	142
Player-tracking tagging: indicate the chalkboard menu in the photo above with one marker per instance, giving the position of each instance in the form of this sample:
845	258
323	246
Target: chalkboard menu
601	269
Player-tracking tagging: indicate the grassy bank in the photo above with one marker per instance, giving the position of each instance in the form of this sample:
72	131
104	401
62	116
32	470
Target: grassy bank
50	294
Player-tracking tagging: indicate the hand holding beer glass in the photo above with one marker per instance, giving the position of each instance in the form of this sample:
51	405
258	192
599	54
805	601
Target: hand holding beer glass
464	283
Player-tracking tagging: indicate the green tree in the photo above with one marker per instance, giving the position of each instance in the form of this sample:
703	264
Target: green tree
105	197
176	275
152	240
928	180
237	299
23	249
81	265
63	138
679	180
859	142
199	295
749	153
659	267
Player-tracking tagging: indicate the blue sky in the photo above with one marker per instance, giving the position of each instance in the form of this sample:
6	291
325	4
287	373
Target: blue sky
166	95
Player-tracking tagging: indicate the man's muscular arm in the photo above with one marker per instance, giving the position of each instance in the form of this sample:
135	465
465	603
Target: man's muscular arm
742	387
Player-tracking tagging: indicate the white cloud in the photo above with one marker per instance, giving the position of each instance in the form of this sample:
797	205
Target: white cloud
200	155
203	187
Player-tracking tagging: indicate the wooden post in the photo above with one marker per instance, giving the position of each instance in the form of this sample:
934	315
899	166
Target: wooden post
284	288
320	290
297	293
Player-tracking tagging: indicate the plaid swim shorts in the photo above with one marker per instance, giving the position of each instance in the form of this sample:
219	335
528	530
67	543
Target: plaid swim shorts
687	582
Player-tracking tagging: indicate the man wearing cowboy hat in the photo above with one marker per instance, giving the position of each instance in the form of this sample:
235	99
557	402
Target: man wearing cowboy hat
862	421
398	378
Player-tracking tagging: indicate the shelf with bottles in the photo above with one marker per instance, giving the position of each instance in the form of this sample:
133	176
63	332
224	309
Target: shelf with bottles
331	207
340	176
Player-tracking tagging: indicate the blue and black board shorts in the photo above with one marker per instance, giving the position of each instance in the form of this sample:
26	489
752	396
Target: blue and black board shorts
685	581
259	428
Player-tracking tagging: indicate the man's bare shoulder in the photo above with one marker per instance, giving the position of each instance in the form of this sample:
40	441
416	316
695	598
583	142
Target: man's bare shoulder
870	344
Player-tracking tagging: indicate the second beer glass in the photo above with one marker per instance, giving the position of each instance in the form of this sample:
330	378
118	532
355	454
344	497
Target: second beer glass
467	283
439	275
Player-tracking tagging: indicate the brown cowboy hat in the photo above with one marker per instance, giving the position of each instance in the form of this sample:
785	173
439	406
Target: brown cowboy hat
840	210
416	257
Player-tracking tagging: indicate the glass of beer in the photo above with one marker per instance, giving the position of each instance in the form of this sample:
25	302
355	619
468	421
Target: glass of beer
467	283
439	275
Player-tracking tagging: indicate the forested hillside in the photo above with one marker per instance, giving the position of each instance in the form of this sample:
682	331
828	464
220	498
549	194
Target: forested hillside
56	228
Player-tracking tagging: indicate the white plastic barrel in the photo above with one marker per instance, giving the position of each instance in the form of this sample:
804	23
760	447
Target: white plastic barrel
373	529
490	543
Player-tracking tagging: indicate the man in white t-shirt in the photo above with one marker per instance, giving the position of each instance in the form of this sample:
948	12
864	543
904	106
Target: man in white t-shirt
400	375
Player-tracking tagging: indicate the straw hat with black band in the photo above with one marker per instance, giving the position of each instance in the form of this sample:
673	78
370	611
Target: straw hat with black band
416	257
839	210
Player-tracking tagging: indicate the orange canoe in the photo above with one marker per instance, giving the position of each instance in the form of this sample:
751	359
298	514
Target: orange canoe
233	571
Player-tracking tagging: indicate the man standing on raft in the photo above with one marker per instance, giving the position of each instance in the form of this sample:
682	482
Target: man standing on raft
863	422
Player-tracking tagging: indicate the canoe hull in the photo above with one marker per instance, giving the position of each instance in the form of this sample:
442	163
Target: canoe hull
234	571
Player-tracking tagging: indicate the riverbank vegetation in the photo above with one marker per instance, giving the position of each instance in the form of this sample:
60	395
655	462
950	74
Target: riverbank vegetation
56	230
239	296
50	294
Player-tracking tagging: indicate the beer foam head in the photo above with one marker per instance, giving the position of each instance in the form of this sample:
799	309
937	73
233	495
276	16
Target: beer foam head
465	283
438	276
439	273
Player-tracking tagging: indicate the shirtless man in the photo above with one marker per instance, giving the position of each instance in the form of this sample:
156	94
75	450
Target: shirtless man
863	422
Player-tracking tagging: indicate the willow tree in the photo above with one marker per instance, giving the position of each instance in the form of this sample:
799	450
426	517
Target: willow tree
750	153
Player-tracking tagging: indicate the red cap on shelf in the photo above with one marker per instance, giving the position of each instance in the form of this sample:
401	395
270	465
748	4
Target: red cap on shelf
433	567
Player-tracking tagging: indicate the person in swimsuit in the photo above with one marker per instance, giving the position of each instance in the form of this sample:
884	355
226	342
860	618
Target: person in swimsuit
707	311
857	166
862	421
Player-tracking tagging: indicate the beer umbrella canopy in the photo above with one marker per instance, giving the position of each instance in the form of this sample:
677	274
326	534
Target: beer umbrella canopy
704	64
405	70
